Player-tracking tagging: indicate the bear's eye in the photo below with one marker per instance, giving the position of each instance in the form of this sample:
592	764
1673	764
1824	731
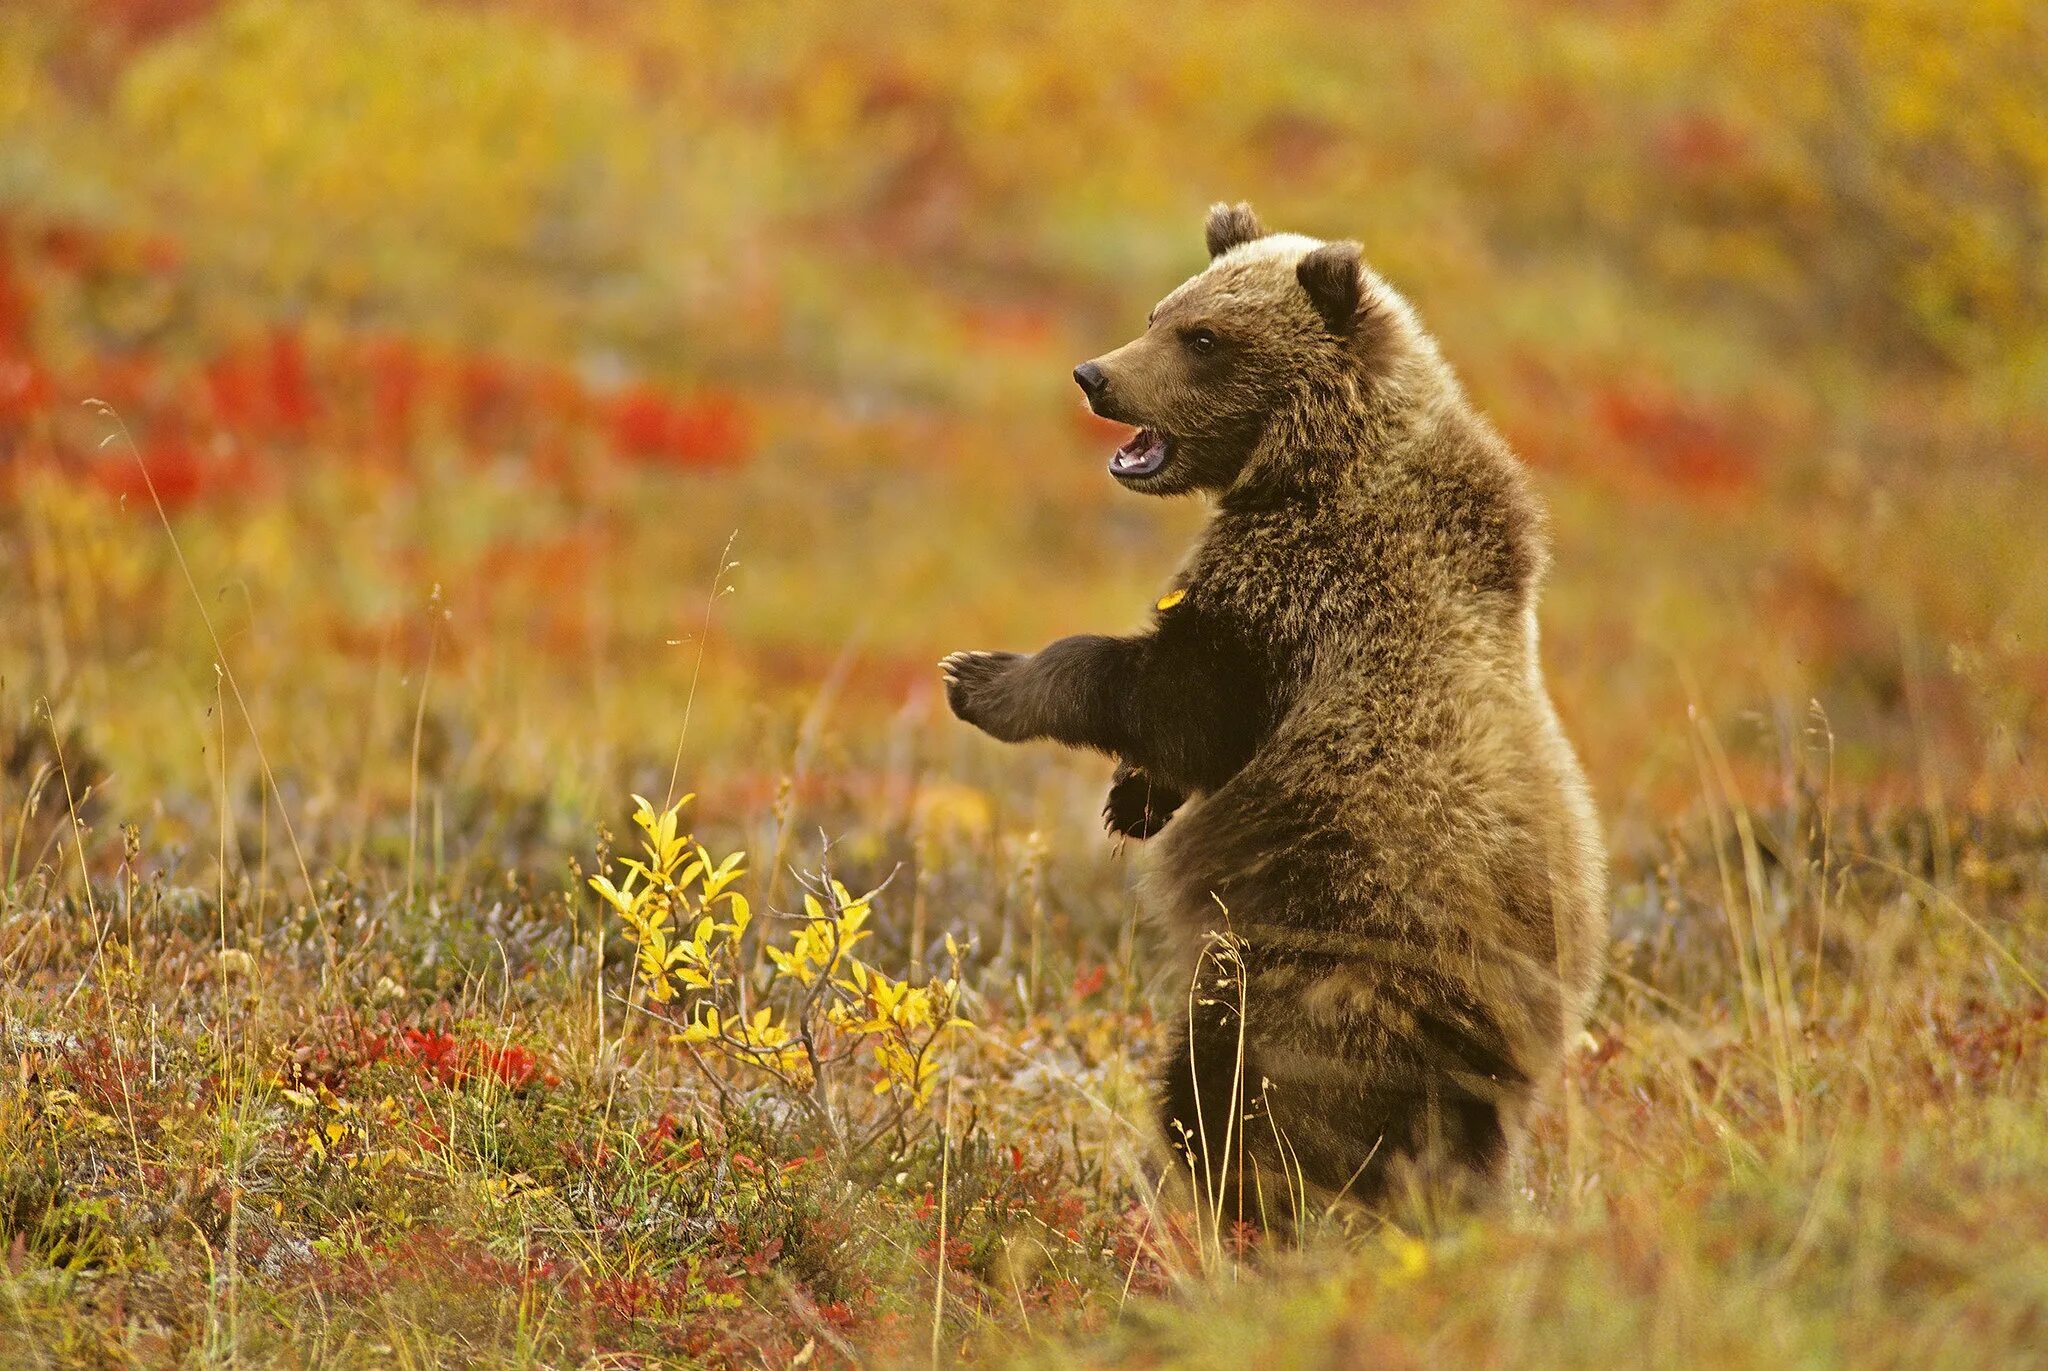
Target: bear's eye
1200	340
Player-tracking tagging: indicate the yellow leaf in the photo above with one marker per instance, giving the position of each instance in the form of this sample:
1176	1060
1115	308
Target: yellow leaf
618	899
1171	598
703	1030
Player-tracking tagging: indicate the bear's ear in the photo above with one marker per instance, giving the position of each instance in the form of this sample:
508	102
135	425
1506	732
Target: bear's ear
1230	225
1330	275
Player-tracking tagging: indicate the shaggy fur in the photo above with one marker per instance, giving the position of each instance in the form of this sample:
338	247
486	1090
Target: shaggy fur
1340	730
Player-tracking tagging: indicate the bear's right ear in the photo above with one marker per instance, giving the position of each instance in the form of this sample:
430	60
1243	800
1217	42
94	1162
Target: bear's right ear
1330	276
1230	225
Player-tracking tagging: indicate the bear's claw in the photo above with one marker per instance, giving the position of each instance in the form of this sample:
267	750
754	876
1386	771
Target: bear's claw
973	687
1137	807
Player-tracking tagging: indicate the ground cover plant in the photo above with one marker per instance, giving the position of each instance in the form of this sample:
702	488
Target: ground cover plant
427	427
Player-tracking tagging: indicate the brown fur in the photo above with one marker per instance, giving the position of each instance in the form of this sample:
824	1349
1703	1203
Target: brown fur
1345	708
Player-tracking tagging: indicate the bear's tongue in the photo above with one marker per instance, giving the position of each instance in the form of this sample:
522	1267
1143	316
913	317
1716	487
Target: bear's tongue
1144	454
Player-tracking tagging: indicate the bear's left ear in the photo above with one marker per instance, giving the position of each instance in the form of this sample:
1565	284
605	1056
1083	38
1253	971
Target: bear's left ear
1230	225
1330	275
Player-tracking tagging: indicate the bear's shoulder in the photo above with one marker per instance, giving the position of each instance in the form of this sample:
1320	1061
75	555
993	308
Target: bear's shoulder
1482	508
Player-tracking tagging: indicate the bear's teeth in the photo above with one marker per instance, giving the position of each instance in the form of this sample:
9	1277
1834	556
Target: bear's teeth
1138	449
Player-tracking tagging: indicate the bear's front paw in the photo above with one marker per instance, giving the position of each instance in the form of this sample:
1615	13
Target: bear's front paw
974	690
1137	807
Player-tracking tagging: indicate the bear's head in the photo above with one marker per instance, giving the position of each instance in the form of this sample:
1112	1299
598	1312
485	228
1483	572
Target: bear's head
1280	329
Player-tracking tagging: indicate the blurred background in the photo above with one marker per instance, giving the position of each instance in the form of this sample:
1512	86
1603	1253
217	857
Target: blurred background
531	384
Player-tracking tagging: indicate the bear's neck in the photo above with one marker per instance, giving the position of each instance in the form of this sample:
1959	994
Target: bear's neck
1332	429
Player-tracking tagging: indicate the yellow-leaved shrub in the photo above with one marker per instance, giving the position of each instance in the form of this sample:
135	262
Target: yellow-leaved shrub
857	1049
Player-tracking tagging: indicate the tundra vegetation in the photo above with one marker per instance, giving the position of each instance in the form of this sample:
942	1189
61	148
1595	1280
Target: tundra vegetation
425	427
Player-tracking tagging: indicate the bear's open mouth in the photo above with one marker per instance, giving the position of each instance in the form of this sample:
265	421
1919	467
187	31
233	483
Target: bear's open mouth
1143	455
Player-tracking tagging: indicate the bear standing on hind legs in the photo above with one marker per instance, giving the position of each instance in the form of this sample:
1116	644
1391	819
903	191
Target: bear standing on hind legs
1337	724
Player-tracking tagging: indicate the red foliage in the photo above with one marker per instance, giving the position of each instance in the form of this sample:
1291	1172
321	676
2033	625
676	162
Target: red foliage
659	1141
486	403
265	392
1699	145
452	1060
959	1252
292	405
707	431
1684	445
24	387
374	396
438	1054
173	468
235	388
15	306
397	377
514	1066
136	23
68	247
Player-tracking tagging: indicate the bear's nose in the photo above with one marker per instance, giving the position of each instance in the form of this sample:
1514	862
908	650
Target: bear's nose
1089	377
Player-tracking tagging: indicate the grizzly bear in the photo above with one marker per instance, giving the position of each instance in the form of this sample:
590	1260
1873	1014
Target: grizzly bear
1375	840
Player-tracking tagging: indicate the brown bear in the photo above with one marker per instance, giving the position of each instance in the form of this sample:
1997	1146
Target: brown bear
1376	840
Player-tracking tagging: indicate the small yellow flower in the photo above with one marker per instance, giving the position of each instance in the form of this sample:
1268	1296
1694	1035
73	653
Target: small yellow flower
1410	1255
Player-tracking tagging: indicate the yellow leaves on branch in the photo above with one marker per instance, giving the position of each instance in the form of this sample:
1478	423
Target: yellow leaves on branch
677	884
819	1005
759	1041
821	946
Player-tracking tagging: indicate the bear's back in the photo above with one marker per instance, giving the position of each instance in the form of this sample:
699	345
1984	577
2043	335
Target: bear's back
1415	778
